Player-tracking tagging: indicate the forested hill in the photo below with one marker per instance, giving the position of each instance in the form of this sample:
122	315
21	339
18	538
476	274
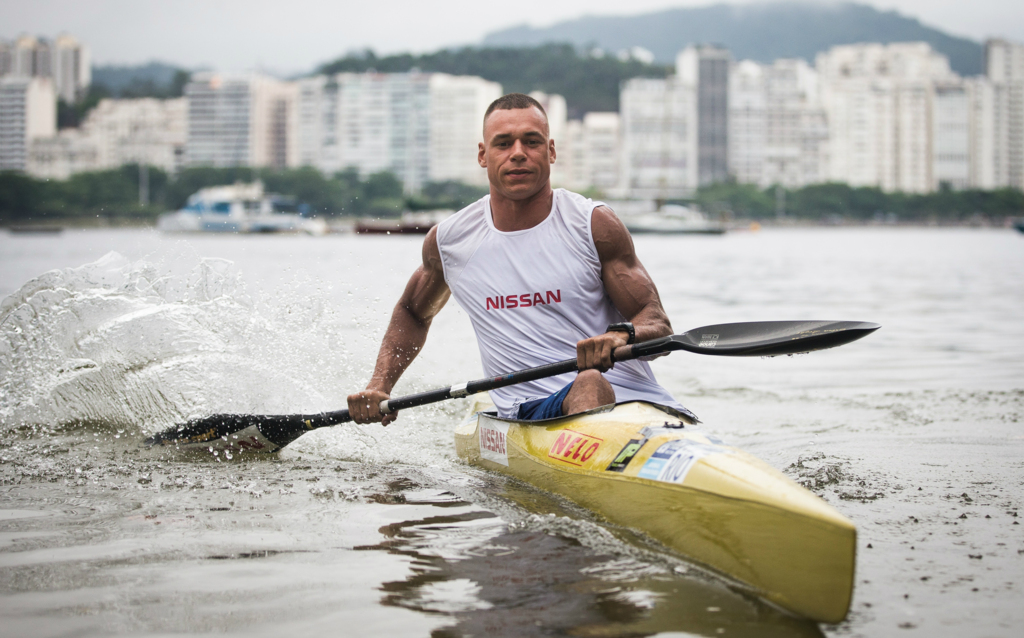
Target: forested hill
759	31
588	83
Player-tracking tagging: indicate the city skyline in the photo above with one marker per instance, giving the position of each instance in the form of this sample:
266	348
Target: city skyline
263	37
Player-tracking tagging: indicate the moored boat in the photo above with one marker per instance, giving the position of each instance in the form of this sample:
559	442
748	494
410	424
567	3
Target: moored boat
239	208
672	220
647	467
410	223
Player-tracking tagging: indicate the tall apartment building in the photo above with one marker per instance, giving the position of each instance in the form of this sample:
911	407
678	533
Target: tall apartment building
116	132
659	138
951	136
457	107
420	126
590	154
706	69
1004	68
65	61
778	131
241	121
879	104
558	122
28	110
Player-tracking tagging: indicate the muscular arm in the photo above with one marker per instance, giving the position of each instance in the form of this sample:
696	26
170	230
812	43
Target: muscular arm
424	296
630	288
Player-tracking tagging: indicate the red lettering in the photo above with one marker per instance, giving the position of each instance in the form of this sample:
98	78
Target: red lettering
556	296
525	300
590	452
513	301
493	303
538	300
572	445
560	442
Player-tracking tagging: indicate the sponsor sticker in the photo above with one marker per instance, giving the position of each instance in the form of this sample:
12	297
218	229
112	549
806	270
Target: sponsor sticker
574	448
673	460
626	455
493	441
708	341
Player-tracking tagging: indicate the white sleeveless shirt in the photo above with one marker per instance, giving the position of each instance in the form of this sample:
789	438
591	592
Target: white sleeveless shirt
532	294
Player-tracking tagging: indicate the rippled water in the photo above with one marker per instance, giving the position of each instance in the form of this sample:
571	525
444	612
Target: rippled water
914	433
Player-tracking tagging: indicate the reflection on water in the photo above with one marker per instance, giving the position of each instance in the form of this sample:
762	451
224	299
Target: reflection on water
496	581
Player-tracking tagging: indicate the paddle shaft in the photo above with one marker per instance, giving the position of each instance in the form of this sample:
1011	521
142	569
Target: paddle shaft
768	338
327	419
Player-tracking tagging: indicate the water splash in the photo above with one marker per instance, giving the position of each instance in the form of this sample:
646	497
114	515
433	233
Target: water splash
146	344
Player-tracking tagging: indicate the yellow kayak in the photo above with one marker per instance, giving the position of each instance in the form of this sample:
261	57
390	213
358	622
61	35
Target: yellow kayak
646	467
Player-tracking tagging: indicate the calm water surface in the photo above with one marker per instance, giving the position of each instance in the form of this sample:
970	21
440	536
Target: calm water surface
915	433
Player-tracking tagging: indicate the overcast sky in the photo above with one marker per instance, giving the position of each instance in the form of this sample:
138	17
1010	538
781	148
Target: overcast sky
291	36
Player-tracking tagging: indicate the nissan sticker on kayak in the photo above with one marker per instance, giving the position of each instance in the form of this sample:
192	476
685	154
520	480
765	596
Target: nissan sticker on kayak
672	461
493	436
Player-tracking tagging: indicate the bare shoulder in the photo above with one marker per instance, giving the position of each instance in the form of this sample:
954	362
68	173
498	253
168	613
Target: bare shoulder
610	235
431	253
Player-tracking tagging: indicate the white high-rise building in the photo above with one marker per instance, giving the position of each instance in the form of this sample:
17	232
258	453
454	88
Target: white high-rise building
659	138
241	121
420	126
28	110
951	136
558	122
591	154
457	107
65	61
747	106
878	99
778	132
1004	68
117	132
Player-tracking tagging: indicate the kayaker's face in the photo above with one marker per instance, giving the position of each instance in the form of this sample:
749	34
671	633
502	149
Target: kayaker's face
517	152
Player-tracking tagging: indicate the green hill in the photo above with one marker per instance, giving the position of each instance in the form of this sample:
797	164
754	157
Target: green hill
588	83
762	32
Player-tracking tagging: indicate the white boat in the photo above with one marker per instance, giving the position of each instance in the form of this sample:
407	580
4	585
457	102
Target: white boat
671	219
239	208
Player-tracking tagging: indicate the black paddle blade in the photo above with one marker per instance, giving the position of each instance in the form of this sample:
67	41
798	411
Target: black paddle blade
770	338
234	433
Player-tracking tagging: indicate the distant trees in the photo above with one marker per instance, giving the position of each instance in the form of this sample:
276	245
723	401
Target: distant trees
837	201
114	194
587	83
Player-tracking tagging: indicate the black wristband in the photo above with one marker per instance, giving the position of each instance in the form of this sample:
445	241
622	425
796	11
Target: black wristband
626	327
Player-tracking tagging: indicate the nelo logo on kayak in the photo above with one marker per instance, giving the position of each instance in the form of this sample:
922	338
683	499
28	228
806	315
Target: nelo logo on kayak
574	447
525	300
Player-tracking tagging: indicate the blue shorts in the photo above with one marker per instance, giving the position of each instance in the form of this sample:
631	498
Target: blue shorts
547	408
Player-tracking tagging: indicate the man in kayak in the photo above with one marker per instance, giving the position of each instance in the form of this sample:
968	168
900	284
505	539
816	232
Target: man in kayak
542	274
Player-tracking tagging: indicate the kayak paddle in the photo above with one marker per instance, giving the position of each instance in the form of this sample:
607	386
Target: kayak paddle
268	433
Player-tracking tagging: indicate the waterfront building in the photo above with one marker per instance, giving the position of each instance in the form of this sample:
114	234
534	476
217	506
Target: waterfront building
747	105
778	131
705	69
149	131
558	121
241	121
457	107
1004	68
65	61
590	154
28	110
951	136
878	100
420	126
659	138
